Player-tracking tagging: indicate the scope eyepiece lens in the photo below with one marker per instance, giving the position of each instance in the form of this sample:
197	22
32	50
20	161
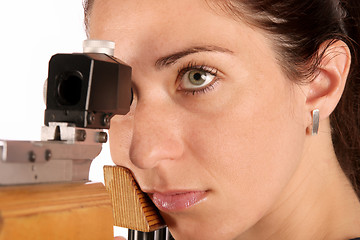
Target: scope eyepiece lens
69	88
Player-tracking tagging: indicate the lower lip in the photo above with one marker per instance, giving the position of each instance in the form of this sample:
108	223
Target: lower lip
177	201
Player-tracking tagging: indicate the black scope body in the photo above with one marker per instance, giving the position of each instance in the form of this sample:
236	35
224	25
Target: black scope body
87	89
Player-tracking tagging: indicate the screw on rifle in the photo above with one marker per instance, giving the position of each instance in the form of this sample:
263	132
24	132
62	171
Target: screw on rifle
106	120
102	137
91	118
32	156
48	155
80	135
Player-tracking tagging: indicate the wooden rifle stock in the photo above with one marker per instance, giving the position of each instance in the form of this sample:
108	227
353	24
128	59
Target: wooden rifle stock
81	211
55	211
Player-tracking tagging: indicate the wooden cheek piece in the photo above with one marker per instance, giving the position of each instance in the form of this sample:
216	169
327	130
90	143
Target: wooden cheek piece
132	208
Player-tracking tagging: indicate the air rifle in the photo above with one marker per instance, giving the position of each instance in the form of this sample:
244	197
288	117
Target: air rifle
45	192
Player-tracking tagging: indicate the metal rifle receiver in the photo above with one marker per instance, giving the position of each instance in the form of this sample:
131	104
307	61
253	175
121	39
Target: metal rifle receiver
83	92
87	89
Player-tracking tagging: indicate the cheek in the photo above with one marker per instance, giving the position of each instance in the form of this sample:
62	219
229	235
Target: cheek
252	147
247	151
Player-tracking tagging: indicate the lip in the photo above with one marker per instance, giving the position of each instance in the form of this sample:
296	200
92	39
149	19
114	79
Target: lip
177	201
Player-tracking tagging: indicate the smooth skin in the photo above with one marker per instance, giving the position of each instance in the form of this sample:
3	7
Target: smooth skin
242	137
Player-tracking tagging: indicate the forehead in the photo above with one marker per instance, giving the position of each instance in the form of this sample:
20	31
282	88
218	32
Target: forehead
156	22
156	16
146	30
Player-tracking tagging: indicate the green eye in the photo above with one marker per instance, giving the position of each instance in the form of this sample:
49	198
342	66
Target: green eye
196	78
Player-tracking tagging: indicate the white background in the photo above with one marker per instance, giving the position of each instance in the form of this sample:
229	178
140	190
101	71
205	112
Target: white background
30	33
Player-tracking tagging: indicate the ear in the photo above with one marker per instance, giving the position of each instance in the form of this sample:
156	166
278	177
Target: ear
325	91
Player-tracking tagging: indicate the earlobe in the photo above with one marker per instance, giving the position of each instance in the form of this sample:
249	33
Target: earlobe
325	91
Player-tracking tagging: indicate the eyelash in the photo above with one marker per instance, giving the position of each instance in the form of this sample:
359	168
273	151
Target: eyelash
202	67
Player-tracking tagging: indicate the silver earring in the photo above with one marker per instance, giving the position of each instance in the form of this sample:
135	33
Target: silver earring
315	121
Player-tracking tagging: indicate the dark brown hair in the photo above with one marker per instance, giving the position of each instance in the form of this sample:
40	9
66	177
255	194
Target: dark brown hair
298	28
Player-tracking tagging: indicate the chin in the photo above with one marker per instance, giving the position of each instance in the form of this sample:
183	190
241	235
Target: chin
195	231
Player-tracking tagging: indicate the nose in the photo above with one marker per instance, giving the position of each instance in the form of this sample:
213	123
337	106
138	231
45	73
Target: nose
156	134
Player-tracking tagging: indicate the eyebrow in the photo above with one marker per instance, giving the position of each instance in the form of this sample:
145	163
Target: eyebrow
174	57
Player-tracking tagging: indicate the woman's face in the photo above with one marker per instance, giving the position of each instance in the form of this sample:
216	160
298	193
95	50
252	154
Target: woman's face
216	130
